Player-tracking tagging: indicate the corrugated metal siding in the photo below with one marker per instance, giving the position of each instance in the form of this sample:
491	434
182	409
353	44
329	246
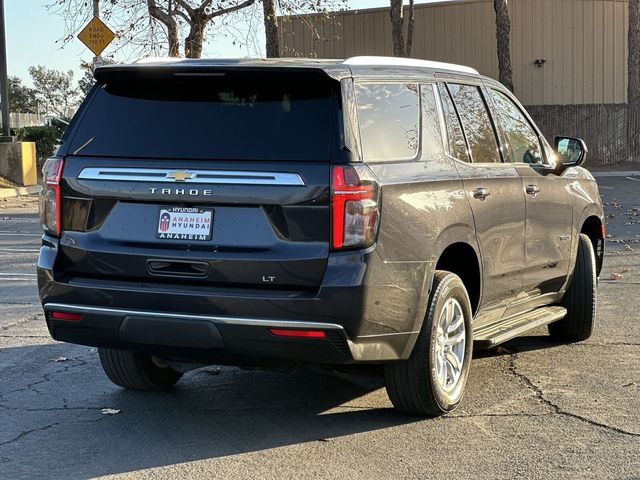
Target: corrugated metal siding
584	43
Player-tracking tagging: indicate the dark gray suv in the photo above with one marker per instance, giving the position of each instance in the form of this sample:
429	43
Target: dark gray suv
373	211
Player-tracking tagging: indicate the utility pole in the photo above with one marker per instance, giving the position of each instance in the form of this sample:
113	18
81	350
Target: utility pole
97	60
5	134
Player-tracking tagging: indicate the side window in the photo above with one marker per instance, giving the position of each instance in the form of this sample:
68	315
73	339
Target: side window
476	123
389	118
523	139
457	144
432	146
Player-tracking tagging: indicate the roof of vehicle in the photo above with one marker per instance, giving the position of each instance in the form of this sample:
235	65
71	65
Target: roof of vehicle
363	66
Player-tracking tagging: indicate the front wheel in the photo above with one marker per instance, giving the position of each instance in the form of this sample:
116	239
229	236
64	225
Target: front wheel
431	382
581	298
136	371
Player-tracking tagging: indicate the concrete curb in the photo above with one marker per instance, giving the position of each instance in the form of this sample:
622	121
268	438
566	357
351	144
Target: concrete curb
18	191
615	173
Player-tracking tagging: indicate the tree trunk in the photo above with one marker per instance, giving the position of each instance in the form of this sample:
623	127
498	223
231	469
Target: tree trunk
174	40
195	39
633	89
271	28
400	48
503	37
397	24
634	54
410	22
171	25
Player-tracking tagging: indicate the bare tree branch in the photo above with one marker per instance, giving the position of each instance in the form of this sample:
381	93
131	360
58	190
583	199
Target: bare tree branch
226	11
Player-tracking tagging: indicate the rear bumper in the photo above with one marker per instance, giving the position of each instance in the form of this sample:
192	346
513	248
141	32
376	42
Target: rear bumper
206	338
363	320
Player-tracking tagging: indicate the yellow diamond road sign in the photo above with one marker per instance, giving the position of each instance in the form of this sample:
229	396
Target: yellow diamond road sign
96	36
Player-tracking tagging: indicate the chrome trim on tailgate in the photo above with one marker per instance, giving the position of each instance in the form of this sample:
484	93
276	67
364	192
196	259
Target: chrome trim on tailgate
256	322
209	177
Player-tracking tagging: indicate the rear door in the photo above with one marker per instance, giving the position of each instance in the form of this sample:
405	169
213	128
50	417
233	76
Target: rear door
219	178
494	191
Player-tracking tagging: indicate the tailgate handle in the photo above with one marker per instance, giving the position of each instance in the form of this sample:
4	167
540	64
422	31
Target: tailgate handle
177	268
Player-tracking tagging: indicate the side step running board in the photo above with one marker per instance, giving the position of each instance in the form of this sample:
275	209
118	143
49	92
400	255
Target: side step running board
488	336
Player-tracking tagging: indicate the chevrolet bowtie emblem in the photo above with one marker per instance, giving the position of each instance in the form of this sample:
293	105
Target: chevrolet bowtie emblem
180	175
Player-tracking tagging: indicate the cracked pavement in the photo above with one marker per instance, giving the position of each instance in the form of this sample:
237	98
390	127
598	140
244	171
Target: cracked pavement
533	408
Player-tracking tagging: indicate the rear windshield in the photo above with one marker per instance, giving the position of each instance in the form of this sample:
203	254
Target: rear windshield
254	116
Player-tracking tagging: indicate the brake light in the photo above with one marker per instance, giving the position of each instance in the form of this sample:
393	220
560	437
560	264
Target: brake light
354	207
50	195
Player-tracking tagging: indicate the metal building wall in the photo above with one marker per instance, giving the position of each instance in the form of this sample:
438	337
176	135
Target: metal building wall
584	43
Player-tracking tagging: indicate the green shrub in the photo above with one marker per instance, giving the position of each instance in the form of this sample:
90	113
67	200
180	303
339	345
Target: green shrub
45	137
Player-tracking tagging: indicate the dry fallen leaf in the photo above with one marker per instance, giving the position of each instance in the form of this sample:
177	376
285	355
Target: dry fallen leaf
60	359
626	270
110	411
616	276
504	350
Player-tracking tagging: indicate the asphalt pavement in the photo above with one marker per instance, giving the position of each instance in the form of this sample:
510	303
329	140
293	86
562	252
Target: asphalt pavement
533	408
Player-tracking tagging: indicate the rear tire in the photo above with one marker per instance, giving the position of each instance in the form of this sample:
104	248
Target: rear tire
581	298
417	385
136	371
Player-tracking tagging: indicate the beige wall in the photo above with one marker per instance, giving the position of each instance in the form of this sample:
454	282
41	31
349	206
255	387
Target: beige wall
583	41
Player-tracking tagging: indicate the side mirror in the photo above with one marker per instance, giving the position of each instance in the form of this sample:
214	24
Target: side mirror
572	152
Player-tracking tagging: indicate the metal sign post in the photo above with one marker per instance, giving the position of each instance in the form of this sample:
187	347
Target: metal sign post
4	87
97	60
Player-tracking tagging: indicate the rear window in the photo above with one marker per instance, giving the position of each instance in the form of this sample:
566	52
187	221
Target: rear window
234	116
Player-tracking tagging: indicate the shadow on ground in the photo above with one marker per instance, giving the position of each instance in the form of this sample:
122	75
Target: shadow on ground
53	420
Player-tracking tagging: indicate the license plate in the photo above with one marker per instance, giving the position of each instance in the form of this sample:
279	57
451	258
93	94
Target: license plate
185	223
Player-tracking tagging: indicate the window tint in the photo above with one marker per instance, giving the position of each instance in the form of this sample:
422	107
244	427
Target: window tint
389	118
457	144
234	117
523	140
431	133
476	123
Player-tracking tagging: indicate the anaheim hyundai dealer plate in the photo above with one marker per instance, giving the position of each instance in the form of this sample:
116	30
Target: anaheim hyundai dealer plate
185	223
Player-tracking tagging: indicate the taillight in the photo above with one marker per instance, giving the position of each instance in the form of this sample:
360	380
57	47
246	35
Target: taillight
50	195
355	204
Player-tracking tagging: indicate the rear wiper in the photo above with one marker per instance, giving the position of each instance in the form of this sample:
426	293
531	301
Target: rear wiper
83	145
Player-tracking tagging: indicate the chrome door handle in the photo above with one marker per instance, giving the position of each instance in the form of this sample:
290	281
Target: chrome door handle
481	193
533	190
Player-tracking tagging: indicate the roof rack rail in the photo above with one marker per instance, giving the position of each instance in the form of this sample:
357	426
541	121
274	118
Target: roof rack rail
409	62
144	60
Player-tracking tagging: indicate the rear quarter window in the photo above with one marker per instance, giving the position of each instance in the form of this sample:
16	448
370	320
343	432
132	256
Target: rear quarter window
389	119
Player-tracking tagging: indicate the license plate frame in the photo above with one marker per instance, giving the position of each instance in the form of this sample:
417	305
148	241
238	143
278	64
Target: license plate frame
185	224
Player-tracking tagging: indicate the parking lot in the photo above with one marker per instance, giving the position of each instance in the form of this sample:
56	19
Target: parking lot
533	408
